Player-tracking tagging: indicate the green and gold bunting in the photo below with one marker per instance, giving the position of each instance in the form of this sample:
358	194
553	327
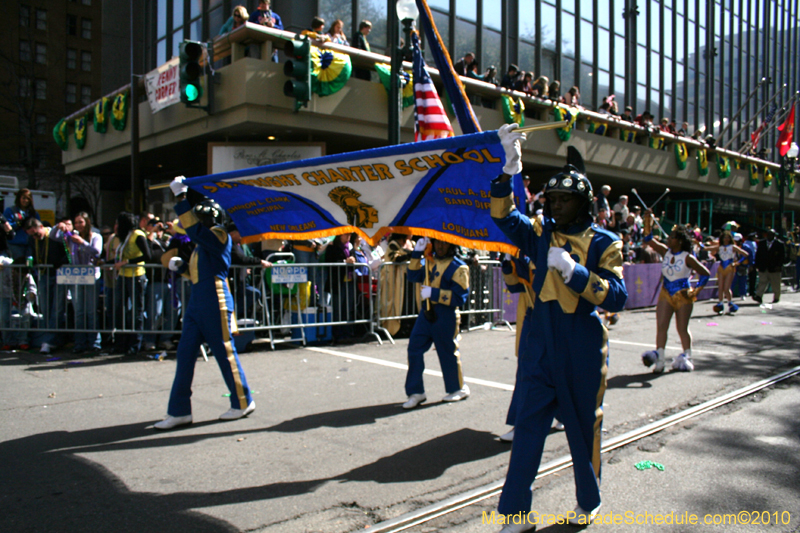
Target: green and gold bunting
60	134
329	71
656	143
513	110
80	132
565	113
101	115
627	135
702	161
752	170
723	167
767	177
119	110
598	128
790	182
737	163
406	78
681	155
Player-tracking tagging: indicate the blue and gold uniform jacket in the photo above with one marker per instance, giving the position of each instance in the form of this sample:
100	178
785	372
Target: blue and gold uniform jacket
447	277
597	280
212	256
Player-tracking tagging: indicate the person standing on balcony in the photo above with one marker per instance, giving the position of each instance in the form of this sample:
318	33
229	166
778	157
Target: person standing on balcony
238	18
266	17
360	41
336	33
462	65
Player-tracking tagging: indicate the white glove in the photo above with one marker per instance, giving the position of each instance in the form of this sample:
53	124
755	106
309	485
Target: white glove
559	259
421	244
512	144
175	263
177	186
5	261
425	293
508	257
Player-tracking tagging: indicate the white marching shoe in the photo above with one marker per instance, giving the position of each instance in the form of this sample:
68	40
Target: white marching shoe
558	426
457	396
414	400
235	414
507	437
173	421
651	358
683	363
581	517
518	528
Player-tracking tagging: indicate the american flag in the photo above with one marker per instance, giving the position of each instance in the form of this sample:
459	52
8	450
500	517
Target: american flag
756	136
430	122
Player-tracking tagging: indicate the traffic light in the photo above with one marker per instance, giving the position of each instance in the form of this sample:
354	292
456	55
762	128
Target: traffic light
299	67
191	53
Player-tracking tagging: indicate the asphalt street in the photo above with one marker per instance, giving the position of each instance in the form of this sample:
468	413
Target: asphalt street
329	449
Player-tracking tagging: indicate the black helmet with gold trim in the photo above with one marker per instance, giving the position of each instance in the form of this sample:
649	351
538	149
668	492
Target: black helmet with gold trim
209	212
572	179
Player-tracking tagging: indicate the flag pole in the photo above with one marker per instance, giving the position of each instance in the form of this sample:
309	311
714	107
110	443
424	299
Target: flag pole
755	116
540	127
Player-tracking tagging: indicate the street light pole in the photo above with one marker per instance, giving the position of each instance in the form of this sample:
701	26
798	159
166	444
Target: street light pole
787	167
406	12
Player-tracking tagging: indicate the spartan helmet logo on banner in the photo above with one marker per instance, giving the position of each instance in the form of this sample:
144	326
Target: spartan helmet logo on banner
358	213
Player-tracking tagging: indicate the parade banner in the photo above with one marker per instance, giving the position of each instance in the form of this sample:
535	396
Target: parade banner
439	189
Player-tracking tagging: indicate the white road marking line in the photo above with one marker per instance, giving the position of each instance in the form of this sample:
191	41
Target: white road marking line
677	348
365	359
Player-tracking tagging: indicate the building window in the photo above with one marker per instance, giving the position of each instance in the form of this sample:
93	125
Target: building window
41	19
86	28
41	121
86	94
86	61
41	53
24	87
24	16
41	89
72	25
72	93
72	58
24	51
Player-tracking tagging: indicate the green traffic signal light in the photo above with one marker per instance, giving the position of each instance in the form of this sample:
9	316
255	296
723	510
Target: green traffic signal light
191	53
299	68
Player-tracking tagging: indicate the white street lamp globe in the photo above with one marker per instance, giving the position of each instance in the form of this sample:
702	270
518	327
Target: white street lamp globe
793	150
407	9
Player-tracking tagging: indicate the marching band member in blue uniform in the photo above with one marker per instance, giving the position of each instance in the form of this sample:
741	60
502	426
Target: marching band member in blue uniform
677	296
209	315
563	367
728	253
445	287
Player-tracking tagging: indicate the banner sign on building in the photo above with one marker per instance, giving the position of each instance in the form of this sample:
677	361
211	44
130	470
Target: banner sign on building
439	189
224	157
162	85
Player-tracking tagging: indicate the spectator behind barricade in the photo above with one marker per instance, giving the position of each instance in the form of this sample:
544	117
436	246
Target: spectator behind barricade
526	183
158	288
317	30
664	126
238	18
52	298
627	247
265	16
130	256
396	299
472	71
246	295
647	256
622	207
645	119
540	87
604	109
341	285
510	77
554	91
684	131
180	245
462	65
9	337
17	215
602	218
614	109
336	33
601	202
627	115
360	42
144	219
85	248
573	96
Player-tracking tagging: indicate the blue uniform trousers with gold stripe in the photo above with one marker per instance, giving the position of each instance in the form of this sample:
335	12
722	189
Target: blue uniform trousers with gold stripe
208	319
564	375
443	334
